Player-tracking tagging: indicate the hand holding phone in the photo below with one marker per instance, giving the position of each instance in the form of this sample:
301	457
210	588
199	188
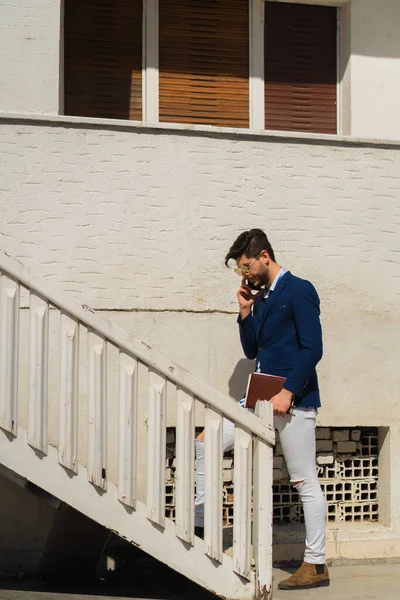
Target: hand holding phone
251	285
246	296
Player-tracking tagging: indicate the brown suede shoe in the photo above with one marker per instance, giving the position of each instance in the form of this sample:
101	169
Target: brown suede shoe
307	577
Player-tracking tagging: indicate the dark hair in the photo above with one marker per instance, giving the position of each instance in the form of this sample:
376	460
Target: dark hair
251	243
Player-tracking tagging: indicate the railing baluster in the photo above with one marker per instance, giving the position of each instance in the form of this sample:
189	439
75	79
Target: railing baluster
242	503
127	436
15	279
97	397
38	371
262	531
185	466
68	412
9	335
213	485
156	448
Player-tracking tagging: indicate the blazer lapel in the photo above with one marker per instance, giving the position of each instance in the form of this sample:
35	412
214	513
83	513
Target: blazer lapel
273	298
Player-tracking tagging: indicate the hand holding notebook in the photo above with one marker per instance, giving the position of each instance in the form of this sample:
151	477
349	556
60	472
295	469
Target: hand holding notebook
262	386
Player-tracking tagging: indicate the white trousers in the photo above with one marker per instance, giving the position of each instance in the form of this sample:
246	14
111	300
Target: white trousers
297	437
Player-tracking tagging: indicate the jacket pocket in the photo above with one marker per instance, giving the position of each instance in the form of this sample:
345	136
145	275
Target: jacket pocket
283	369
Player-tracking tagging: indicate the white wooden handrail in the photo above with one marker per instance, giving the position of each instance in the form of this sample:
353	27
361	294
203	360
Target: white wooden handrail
252	479
117	336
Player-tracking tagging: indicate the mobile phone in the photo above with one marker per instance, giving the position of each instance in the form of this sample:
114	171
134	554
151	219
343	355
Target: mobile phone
251	285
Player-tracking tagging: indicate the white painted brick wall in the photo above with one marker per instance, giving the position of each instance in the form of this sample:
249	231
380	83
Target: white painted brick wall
139	220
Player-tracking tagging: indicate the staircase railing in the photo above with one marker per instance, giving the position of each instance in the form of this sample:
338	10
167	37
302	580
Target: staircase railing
254	437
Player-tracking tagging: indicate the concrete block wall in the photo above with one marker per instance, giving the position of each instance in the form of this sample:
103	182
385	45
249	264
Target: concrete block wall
349	475
349	479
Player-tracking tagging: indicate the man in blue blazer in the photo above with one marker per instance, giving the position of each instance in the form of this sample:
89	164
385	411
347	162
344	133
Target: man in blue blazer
280	328
282	331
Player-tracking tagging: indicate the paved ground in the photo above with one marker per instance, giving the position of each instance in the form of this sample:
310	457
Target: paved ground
365	582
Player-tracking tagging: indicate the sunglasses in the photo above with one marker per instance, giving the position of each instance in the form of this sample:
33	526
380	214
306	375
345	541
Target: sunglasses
245	270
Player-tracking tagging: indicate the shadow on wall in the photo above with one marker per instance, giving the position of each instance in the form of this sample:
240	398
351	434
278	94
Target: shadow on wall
238	380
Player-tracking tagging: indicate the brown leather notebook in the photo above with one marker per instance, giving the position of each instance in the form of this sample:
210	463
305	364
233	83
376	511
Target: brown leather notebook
262	387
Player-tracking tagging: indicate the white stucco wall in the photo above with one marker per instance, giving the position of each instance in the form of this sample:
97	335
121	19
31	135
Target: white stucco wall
375	68
139	221
30	56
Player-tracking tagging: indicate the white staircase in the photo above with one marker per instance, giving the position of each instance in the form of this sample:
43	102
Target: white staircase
82	475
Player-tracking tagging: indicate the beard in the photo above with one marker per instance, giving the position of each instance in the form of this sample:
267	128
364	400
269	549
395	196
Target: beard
262	279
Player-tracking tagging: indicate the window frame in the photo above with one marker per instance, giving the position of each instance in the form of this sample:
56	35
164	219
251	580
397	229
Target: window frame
338	4
150	62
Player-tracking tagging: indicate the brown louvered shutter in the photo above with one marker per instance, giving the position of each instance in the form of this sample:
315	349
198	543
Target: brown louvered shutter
300	67
204	62
103	58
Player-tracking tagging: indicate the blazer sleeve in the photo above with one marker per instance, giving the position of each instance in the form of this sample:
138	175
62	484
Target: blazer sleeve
248	336
309	334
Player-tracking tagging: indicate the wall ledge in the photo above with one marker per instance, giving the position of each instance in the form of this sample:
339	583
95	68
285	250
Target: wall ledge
192	130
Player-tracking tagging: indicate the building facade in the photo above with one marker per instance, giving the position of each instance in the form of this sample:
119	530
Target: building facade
138	139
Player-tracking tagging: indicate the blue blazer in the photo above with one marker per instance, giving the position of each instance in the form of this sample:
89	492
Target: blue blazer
284	335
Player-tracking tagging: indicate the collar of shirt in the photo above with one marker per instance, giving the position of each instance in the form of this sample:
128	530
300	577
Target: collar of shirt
282	271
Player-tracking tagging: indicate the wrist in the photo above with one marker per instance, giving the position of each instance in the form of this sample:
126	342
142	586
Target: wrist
244	312
287	394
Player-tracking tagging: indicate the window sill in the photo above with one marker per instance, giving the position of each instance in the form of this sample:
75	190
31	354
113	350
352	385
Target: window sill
203	130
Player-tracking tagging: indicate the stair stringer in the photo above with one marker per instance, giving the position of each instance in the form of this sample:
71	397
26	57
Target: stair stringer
130	524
